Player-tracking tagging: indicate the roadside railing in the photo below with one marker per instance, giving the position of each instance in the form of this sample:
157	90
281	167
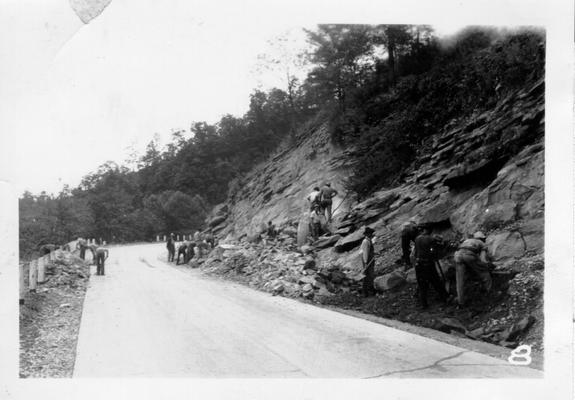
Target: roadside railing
33	273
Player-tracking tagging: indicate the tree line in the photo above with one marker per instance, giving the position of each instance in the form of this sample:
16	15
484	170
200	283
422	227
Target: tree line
381	88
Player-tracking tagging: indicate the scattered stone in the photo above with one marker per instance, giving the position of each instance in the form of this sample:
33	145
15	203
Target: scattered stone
391	281
349	242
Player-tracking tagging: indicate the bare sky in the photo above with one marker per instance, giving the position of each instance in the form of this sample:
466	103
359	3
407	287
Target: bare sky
73	96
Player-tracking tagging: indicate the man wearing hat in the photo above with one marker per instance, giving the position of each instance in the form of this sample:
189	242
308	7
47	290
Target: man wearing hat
470	255
368	261
426	253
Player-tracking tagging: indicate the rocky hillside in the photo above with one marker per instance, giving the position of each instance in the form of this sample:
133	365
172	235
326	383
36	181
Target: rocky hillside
484	172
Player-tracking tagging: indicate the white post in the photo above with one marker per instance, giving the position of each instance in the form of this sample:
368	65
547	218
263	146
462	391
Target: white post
164	238
178	237
41	269
103	242
157	238
33	275
22	271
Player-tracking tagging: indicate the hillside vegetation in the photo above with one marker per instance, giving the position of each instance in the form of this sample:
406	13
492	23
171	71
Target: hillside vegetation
377	94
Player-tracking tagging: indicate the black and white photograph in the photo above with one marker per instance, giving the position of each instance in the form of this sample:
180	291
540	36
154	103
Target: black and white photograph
248	198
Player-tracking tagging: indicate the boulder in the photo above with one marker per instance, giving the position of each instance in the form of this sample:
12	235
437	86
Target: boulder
325	242
309	263
533	235
217	220
450	324
337	277
305	249
438	213
410	276
506	245
349	242
391	281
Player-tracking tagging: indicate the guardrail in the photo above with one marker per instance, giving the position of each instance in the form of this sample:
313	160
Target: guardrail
33	272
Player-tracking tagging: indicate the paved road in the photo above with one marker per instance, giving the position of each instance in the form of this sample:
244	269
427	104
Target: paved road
146	318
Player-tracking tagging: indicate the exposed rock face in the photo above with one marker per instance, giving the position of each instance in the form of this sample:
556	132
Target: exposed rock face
483	173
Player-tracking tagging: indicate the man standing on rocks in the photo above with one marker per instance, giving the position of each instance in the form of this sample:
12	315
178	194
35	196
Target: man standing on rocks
409	232
313	198
315	222
426	251
326	197
471	254
368	261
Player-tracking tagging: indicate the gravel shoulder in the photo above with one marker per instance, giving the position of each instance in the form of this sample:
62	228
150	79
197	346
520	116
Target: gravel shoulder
50	320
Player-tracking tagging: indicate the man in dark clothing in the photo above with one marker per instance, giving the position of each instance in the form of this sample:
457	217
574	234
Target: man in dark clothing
271	231
426	252
100	255
409	232
171	248
209	238
83	246
326	196
183	251
368	261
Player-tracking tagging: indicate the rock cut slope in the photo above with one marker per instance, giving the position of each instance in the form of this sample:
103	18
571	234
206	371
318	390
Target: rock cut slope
484	172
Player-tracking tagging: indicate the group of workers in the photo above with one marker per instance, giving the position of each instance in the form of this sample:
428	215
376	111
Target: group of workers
99	254
202	243
470	256
320	203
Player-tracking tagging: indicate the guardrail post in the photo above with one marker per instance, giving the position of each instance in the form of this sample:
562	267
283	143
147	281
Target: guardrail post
33	274
22	271
41	269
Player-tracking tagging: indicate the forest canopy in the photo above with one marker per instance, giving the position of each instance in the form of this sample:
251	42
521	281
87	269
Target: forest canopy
383	89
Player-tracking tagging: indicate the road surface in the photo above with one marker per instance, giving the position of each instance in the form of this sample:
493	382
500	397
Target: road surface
145	318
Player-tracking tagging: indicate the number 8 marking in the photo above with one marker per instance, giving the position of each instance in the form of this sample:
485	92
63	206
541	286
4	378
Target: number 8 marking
521	355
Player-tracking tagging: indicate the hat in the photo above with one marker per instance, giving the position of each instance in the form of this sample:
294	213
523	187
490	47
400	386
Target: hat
367	230
479	235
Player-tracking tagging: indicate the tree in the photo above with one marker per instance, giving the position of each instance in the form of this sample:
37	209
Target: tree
343	58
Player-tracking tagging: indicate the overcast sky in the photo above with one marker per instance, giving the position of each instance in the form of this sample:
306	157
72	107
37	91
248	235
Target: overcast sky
74	95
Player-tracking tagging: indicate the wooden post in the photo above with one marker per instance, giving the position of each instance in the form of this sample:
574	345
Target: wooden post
22	272
33	275
41	269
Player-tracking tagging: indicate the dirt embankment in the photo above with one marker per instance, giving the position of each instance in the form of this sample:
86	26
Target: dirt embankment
50	319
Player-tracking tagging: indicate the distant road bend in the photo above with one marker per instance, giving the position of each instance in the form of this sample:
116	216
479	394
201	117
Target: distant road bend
146	318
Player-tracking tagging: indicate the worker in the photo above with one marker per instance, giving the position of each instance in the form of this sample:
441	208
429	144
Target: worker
182	251
472	254
426	254
99	255
409	232
315	217
209	238
313	198
368	261
82	246
171	246
271	230
326	198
